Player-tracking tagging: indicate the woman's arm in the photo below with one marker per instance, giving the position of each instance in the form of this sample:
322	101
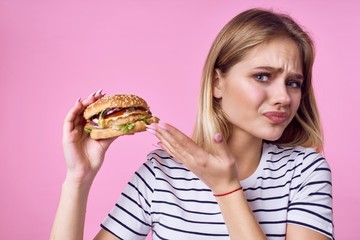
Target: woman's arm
70	216
84	157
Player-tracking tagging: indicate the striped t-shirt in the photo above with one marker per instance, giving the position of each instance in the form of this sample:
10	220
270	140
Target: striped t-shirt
290	186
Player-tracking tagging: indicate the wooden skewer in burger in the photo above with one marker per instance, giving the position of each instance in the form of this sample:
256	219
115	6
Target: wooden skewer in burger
117	115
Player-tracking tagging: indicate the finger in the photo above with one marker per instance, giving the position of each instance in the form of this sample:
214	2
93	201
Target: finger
99	94
160	133
178	144
72	115
164	144
105	143
93	97
168	150
151	129
220	146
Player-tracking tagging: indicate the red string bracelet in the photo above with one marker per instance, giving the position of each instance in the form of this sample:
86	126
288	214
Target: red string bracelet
224	194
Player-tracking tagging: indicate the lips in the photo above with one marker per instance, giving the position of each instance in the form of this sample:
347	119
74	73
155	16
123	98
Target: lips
277	117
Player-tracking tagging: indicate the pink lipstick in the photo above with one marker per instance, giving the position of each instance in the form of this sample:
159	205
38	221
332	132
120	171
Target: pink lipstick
277	117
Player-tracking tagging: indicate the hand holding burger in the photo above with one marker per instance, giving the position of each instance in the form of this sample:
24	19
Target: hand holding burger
117	115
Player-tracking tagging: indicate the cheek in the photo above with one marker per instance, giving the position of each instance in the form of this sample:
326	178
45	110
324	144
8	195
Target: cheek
296	100
295	104
250	95
241	100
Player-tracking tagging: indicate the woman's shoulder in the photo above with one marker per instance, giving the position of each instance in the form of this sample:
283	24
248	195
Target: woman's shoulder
160	159
279	149
307	157
158	153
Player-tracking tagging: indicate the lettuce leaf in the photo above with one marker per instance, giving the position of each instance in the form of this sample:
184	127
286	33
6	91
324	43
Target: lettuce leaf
127	127
87	130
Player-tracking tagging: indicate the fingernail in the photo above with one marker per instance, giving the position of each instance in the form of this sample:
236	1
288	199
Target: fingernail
218	137
78	100
151	126
156	145
99	92
92	95
162	126
152	131
160	145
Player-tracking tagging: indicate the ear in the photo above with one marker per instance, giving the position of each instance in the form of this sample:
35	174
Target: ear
218	82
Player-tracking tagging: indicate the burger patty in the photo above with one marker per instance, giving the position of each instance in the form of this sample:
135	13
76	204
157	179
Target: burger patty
113	122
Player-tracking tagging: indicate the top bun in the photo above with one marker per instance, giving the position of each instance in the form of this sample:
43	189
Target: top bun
114	101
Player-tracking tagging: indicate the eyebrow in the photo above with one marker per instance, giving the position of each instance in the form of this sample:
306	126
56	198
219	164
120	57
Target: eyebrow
298	76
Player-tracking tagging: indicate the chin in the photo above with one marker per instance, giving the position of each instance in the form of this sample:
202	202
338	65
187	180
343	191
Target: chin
272	139
273	136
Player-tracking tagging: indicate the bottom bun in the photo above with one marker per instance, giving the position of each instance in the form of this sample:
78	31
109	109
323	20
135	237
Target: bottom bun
139	126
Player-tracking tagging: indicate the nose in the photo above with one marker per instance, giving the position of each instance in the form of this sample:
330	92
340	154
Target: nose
280	95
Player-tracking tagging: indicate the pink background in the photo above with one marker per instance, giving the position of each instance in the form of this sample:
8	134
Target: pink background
52	52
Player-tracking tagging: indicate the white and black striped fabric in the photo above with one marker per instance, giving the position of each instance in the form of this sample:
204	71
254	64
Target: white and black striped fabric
290	186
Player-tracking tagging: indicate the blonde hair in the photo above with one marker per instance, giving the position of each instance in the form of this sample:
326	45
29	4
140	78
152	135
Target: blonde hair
244	32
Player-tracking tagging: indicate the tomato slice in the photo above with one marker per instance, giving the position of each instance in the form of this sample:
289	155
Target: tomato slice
115	114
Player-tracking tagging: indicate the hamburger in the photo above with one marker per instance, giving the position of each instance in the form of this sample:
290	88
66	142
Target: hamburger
117	115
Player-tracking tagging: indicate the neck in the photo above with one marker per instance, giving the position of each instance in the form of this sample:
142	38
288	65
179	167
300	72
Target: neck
247	152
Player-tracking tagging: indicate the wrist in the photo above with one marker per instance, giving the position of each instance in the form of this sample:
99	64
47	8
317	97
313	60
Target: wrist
226	187
77	184
228	193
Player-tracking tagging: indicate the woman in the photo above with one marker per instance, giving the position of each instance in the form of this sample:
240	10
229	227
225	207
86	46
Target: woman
250	170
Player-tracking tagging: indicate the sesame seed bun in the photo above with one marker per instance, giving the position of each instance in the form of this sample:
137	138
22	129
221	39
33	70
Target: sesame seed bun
114	101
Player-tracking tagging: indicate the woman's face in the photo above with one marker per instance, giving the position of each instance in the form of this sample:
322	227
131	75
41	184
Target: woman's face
261	94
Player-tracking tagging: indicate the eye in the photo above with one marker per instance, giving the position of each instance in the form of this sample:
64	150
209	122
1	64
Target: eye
262	77
294	83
